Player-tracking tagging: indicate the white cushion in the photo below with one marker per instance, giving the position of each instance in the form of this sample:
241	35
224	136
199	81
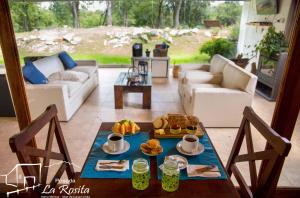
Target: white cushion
191	87
73	86
49	65
198	76
68	75
235	78
89	70
217	64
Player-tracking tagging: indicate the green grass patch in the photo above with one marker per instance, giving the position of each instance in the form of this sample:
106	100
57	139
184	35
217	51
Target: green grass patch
103	59
194	58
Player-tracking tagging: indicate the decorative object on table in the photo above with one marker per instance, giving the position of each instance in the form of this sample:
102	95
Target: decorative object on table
112	165
240	61
176	126
115	144
176	70
152	147
203	171
147	53
126	127
133	76
170	175
181	161
271	61
140	174
137	50
161	50
143	68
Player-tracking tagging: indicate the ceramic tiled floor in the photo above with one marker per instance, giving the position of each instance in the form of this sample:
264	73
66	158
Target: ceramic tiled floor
80	131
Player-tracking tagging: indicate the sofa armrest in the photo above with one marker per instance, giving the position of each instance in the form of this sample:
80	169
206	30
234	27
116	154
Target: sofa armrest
219	107
86	62
204	67
41	96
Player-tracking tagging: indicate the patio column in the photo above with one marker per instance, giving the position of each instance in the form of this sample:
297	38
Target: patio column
13	67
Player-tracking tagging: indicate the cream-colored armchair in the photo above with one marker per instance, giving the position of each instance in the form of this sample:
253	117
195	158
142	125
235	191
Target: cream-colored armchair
217	92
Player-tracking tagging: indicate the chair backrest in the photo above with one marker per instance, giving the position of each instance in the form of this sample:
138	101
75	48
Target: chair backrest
19	145
264	184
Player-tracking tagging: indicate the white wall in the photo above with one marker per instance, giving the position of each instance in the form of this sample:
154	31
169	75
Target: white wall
252	34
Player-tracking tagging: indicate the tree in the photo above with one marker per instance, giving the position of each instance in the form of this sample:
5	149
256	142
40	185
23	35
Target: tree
178	4
228	13
159	16
74	5
62	13
193	12
109	12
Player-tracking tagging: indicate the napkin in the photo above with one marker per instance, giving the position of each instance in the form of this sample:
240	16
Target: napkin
191	171
112	165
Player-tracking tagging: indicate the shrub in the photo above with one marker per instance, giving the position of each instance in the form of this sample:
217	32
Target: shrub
220	46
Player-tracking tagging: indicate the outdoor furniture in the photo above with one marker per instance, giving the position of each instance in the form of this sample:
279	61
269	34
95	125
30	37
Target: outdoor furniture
67	95
108	187
217	92
264	184
25	153
122	85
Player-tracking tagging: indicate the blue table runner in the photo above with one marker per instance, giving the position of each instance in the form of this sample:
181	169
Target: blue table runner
98	154
208	157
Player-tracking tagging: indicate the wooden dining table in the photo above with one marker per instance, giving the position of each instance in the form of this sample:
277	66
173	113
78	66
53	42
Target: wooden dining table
123	187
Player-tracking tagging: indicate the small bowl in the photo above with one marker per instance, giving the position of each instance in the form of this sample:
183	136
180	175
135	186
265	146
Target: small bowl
176	129
191	129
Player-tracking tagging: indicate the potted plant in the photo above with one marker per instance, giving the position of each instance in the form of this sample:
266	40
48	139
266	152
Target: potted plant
269	48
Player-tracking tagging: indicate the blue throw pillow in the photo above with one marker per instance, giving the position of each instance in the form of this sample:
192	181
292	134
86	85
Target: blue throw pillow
67	60
32	74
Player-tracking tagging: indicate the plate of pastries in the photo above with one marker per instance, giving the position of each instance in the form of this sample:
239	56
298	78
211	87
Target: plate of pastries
152	147
176	126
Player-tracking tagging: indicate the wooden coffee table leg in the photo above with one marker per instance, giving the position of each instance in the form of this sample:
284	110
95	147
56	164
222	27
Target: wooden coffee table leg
118	97
147	98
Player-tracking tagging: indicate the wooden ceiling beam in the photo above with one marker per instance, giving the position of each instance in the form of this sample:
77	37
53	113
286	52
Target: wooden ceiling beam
13	67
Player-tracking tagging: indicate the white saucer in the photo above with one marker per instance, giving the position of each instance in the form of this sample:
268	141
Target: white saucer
199	150
182	161
108	151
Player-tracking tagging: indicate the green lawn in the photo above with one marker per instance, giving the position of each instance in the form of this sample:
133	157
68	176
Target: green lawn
112	59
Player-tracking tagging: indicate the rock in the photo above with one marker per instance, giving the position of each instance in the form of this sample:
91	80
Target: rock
195	30
167	37
174	32
167	29
207	33
144	37
68	37
75	40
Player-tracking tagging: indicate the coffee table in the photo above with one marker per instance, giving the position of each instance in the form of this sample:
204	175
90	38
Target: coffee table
123	85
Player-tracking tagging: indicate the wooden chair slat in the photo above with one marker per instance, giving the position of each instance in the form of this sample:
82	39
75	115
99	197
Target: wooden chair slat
19	145
244	188
260	155
280	144
252	166
36	152
58	174
262	185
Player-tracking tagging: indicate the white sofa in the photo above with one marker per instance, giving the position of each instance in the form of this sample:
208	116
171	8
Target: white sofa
66	95
217	92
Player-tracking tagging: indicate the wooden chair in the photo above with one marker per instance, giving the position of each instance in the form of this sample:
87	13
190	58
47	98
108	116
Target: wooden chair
25	153
264	184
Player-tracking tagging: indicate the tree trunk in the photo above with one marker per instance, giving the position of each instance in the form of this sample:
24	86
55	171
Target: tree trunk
125	18
177	13
75	13
159	16
26	20
109	13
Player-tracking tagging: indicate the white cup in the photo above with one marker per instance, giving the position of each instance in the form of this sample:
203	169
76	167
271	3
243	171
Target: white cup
115	142
190	143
